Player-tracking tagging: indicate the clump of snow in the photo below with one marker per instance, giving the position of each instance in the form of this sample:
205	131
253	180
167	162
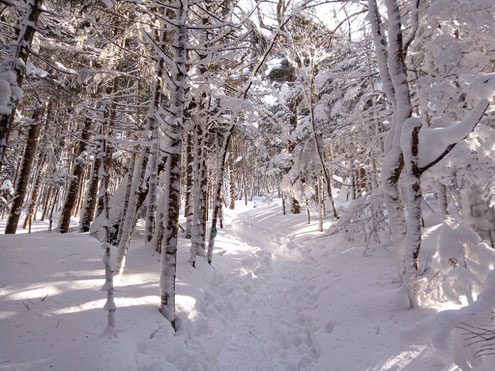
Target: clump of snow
5	96
454	263
34	71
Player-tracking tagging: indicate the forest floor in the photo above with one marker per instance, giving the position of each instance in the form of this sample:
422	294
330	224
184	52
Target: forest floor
279	296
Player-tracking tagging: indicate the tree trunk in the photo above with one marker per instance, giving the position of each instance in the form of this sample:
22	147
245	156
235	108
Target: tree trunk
109	306
91	198
16	62
188	208
319	192
128	190
218	190
154	127
153	182
54	204
129	219
232	187
77	173
46	201
308	210
413	187
168	264
200	185
26	167
34	193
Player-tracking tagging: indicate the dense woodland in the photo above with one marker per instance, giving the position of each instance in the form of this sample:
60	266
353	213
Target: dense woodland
141	112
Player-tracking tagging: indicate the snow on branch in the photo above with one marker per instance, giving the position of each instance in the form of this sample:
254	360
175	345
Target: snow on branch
436	143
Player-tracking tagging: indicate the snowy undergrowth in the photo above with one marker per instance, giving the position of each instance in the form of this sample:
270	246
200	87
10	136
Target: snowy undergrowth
279	296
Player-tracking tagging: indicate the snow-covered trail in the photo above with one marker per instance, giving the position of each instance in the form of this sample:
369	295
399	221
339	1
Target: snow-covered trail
279	296
316	303
271	331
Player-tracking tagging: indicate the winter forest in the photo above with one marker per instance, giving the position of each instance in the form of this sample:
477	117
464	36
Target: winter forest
247	185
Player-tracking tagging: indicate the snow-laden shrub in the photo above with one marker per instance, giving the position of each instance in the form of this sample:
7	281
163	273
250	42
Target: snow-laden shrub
363	221
454	263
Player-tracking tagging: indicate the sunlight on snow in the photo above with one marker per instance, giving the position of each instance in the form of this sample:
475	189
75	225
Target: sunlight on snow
401	360
121	302
32	292
7	314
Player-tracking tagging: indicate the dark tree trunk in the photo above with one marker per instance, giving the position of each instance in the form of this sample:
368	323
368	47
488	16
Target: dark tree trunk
188	207
91	197
34	193
27	165
77	173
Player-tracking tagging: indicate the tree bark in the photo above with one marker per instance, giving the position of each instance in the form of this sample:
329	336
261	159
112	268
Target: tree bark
189	207
129	219
34	193
77	173
200	185
26	167
410	146
168	264
91	198
16	62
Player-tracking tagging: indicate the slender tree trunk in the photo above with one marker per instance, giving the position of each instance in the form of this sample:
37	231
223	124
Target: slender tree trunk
308	210
200	185
80	193
320	203
54	204
77	173
188	210
34	194
232	187
153	183
91	197
155	150
129	219
283	204
414	197
109	306
26	167
218	190
157	239
46	201
128	190
326	174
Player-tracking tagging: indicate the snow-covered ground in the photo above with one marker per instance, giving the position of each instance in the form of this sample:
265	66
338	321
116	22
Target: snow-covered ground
279	296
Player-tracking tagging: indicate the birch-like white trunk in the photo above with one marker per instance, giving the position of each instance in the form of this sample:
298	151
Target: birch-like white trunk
168	263
392	74
129	220
109	306
200	183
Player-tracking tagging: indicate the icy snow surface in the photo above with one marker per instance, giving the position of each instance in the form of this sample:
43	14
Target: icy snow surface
279	296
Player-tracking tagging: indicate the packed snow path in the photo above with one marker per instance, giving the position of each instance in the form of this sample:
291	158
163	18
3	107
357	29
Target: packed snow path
279	296
272	330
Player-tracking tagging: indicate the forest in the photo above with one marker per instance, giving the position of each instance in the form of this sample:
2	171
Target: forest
247	184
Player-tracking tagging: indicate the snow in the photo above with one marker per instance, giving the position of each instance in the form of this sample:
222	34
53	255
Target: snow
279	296
434	141
34	71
